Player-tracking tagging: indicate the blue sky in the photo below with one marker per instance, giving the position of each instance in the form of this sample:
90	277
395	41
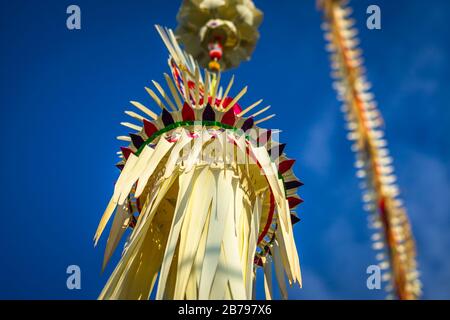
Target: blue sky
62	96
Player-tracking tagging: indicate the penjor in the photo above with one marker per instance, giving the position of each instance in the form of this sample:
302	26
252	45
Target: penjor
208	194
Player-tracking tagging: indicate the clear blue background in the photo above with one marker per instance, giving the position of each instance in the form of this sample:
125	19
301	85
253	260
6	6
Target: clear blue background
63	94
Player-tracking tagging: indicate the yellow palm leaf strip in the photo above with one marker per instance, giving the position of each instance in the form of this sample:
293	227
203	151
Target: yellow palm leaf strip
267	266
186	90
176	46
279	274
227	90
285	246
123	138
131	126
160	151
231	245
134	115
220	209
148	261
136	173
129	165
259	112
173	91
191	231
207	88
174	156
186	181
197	66
252	239
116	287
243	112
144	109
164	95
215	86
197	87
265	119
236	99
155	98
168	44
119	225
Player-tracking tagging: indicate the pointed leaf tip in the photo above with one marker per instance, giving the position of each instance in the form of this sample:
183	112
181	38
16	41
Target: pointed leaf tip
248	124
294	219
229	118
149	128
292	184
208	113
126	152
277	151
293	202
167	118
187	113
285	165
137	140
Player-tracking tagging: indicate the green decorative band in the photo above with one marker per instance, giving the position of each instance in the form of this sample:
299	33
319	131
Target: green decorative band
179	124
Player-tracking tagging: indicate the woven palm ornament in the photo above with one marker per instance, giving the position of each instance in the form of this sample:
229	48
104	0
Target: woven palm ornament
208	194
